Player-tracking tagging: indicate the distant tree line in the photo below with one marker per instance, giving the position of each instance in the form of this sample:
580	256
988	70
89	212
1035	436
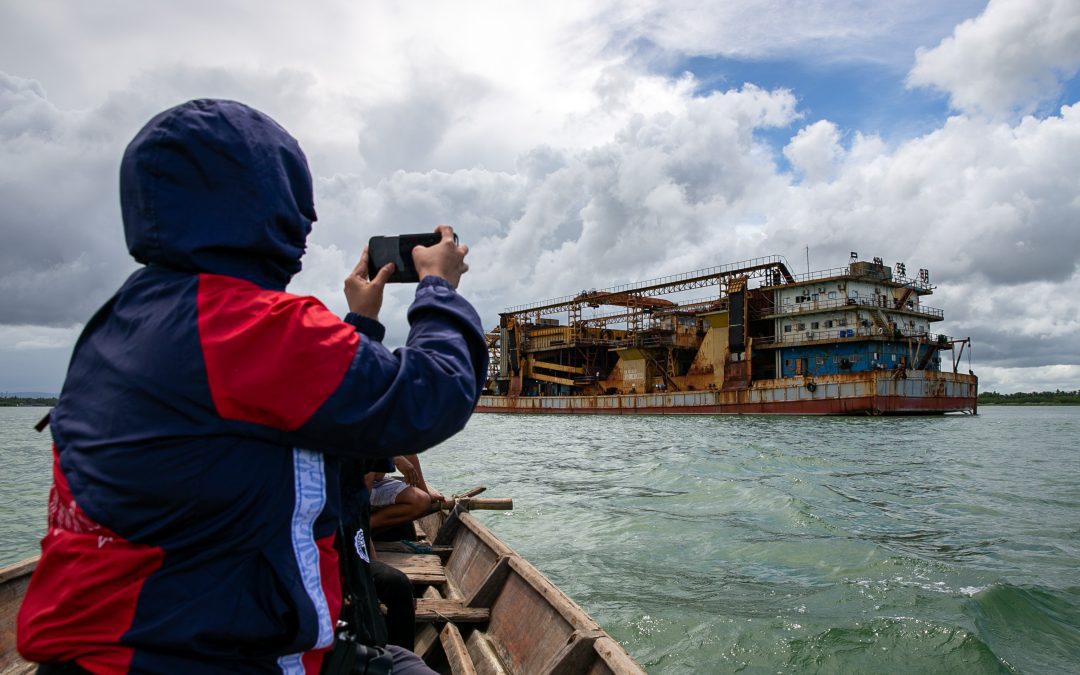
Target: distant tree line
12	401
1031	398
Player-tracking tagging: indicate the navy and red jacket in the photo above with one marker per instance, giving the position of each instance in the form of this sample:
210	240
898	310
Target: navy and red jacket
205	412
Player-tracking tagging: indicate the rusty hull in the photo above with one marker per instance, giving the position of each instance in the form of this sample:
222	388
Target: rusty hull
876	392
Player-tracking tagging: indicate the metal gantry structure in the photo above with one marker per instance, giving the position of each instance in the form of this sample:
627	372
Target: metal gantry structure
640	302
773	267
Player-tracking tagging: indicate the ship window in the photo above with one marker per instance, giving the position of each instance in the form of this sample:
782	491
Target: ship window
815	325
802	326
787	327
787	300
814	297
855	293
832	295
829	323
820	361
842	321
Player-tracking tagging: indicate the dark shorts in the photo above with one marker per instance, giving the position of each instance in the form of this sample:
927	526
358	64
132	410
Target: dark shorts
407	663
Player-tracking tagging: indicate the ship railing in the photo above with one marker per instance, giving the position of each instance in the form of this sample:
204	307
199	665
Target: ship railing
673	279
818	305
907	282
854	333
917	284
821	274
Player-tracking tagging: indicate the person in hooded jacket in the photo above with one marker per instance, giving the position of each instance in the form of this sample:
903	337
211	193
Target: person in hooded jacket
199	432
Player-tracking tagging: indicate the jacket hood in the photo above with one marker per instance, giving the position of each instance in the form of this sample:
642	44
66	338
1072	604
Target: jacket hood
218	187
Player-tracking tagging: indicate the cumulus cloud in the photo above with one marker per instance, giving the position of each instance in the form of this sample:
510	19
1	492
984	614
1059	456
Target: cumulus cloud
815	150
1011	58
975	198
671	184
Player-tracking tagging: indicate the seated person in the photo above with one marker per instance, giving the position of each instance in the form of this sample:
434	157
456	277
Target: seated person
395	501
369	581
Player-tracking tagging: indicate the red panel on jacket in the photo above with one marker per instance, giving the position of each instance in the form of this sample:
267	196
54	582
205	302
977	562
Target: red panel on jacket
271	358
83	594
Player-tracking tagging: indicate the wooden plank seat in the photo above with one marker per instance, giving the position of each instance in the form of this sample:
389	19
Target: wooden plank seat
430	610
423	569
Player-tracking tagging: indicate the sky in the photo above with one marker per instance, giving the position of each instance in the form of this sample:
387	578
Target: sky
578	145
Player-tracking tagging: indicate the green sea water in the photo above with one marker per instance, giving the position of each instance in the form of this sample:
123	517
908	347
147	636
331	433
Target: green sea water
766	544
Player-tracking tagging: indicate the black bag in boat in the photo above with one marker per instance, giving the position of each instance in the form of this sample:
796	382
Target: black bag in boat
359	646
349	657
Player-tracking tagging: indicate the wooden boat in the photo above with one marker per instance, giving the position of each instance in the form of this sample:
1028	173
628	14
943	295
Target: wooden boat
484	609
13	582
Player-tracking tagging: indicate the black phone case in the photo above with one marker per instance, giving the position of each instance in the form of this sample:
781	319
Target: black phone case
398	250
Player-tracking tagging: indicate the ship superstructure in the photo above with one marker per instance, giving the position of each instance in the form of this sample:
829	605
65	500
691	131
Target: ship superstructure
743	337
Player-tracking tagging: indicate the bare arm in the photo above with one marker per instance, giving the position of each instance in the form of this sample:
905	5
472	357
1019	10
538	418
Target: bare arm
409	467
422	484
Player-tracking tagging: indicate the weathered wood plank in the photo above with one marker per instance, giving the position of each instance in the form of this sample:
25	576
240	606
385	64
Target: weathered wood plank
576	655
449	527
428	526
13	582
613	659
562	603
454	648
476	551
420	568
488	589
450	591
531	620
483	655
479	504
431	609
485	535
19	569
427	636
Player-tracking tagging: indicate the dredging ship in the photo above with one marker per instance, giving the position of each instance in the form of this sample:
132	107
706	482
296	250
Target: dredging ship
845	341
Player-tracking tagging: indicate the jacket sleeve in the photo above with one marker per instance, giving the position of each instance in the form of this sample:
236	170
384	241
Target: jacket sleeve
286	365
406	401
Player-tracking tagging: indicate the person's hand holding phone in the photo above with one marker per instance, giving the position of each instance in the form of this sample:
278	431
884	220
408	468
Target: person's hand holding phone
364	296
445	259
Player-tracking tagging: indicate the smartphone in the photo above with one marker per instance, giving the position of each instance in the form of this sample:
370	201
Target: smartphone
397	249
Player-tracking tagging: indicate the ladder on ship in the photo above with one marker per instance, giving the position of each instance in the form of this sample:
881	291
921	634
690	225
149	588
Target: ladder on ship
880	322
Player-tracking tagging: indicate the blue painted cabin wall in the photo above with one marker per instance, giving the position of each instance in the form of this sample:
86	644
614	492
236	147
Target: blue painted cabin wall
859	354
